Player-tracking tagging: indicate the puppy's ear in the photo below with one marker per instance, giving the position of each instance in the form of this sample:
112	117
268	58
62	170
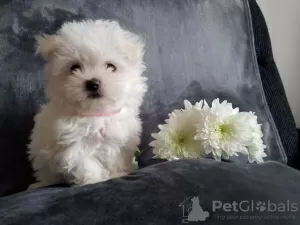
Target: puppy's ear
46	45
135	47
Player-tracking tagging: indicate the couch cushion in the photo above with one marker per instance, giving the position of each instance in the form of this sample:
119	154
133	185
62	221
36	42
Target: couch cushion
161	194
195	50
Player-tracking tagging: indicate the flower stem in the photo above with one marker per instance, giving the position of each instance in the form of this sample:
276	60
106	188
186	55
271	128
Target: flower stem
138	153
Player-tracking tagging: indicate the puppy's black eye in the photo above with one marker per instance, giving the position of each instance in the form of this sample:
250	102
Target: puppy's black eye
111	67
75	67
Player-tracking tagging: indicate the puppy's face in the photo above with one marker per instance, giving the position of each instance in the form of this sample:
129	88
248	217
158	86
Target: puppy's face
93	66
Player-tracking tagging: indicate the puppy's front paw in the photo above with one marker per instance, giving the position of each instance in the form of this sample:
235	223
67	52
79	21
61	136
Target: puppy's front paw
121	174
90	177
87	181
36	185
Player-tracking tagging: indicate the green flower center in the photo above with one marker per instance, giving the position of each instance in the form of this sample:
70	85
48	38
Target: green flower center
225	131
180	139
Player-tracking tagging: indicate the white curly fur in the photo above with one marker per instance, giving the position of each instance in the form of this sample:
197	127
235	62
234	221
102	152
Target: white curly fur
68	143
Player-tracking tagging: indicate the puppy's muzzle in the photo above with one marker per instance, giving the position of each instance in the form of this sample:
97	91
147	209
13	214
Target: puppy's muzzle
93	87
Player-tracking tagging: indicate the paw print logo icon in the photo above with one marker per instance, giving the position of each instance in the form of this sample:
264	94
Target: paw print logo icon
260	206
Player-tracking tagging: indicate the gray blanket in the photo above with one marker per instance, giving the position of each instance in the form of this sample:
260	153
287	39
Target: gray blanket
168	193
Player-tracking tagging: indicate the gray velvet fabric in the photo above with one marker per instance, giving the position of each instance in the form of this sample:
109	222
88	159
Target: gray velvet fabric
153	196
195	49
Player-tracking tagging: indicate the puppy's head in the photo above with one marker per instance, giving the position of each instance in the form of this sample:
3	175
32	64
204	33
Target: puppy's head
93	66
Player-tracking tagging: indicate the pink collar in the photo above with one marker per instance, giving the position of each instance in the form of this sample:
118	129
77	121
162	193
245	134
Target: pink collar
101	114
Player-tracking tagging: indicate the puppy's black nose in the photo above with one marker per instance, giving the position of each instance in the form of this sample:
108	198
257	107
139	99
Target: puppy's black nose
92	85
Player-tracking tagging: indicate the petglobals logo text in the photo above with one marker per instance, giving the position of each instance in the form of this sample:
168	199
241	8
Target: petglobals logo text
254	206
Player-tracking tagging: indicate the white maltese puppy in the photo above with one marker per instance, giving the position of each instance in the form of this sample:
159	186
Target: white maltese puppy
90	129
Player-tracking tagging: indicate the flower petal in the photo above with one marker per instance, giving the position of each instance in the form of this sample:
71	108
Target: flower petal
187	104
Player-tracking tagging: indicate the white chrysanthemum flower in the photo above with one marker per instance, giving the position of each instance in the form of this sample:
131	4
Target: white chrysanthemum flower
200	129
189	106
256	151
221	110
175	139
222	130
256	147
